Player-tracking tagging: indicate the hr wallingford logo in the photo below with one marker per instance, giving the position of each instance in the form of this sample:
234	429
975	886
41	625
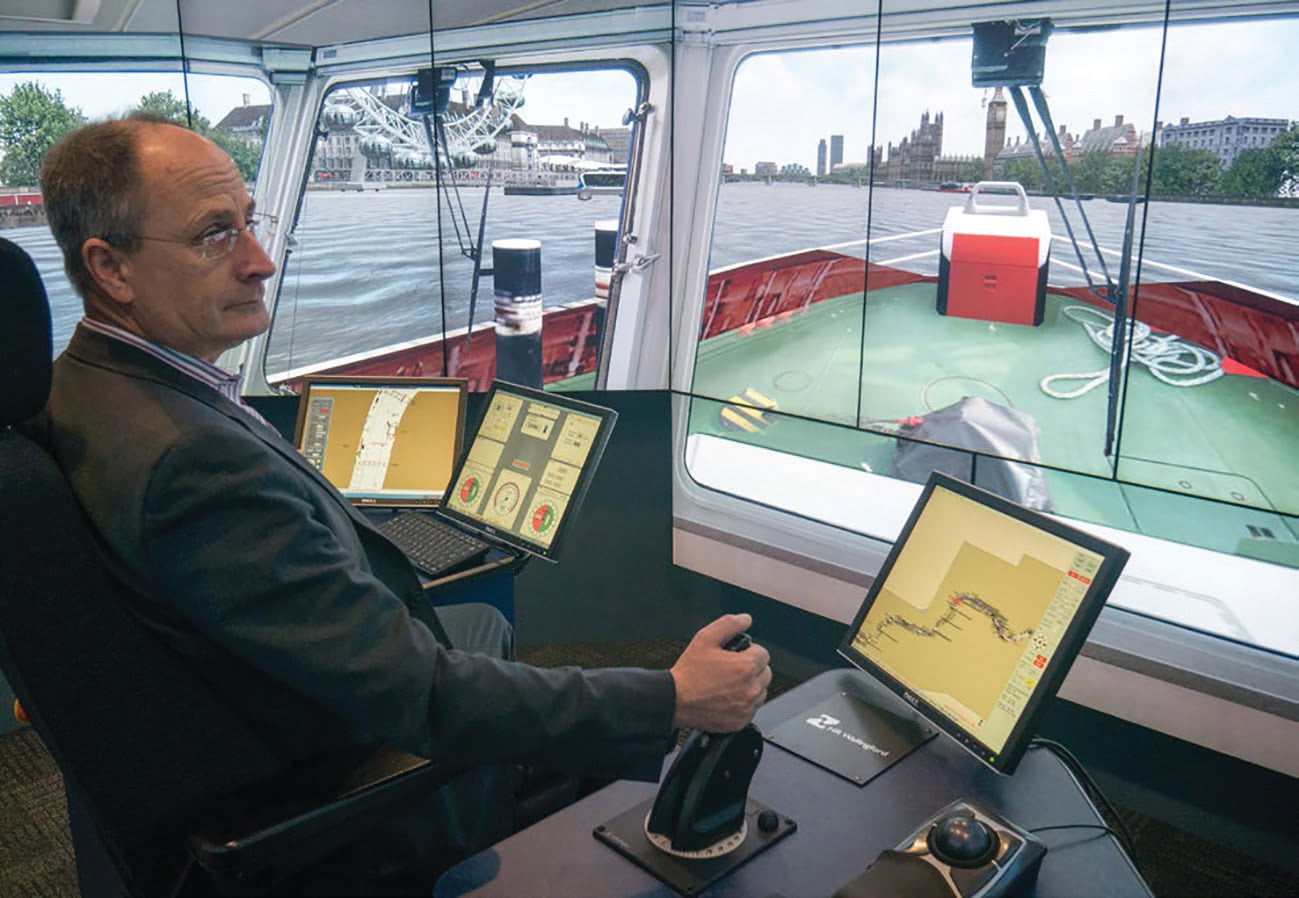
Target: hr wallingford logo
828	724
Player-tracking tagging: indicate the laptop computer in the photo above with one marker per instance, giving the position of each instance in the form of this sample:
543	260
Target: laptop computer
516	487
384	442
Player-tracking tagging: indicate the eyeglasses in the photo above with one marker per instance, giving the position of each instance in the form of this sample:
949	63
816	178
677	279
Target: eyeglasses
219	244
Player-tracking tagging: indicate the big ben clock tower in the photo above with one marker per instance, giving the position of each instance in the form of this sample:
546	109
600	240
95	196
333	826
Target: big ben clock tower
995	131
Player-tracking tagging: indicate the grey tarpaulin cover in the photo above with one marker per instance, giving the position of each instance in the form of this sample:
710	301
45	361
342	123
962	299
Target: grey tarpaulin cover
986	427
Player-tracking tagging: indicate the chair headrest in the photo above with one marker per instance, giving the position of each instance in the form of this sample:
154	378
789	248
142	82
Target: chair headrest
25	345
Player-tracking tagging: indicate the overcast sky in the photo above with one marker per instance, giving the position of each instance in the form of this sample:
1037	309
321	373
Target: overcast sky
783	103
104	94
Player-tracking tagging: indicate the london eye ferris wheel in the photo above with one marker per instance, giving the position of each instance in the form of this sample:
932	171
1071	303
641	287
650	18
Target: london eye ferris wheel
390	133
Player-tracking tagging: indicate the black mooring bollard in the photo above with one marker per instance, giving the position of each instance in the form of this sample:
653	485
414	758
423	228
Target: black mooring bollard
516	278
606	249
606	242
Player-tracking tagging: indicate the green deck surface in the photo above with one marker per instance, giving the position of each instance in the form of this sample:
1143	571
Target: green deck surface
573	384
1229	440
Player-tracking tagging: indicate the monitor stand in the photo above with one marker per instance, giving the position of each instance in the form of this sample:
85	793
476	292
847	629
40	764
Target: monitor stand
701	825
851	737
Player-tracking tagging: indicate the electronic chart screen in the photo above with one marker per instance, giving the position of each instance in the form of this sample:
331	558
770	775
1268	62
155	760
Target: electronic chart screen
528	467
383	441
978	612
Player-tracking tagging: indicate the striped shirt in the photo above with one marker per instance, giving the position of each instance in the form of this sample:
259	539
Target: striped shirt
224	382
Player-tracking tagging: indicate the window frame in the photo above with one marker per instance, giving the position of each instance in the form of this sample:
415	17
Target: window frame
545	45
1131	663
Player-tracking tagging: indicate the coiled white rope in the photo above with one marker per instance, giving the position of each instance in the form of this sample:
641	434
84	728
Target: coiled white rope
1169	358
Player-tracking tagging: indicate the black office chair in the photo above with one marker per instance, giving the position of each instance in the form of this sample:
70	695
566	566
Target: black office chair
169	790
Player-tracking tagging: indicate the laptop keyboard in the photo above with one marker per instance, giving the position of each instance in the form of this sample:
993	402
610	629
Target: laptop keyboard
432	546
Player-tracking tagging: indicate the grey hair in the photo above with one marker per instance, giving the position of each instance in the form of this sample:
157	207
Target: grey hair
90	182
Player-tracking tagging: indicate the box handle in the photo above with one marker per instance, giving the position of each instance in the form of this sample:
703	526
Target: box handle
996	188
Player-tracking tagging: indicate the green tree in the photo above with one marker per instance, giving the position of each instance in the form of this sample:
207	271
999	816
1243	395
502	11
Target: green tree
972	171
175	110
32	119
1286	146
1092	172
1256	173
1115	179
1182	171
1026	171
247	154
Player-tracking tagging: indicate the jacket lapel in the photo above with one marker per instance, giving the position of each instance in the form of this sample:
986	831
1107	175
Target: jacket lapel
96	349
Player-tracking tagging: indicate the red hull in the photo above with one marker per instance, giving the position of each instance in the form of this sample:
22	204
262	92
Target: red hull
749	295
1256	331
570	343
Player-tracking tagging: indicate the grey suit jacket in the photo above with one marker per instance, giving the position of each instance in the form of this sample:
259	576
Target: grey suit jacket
287	601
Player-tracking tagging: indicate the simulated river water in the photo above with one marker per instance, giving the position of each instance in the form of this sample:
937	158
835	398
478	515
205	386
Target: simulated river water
365	269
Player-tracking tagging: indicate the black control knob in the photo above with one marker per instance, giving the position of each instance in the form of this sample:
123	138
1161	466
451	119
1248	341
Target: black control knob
963	841
737	643
768	822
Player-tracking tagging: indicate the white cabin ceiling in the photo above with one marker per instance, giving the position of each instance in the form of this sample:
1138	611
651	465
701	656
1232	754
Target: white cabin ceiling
304	22
316	23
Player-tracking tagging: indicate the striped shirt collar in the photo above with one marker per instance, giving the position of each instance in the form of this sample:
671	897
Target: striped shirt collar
225	382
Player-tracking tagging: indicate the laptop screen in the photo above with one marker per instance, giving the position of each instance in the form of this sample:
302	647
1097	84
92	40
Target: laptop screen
529	466
383	441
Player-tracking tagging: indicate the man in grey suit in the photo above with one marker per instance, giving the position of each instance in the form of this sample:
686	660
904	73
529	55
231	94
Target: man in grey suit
248	563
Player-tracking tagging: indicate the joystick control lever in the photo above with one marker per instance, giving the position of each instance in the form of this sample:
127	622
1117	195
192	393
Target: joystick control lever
737	643
701	802
697	829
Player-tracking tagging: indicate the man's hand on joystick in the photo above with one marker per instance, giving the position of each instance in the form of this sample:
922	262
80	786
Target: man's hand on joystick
721	678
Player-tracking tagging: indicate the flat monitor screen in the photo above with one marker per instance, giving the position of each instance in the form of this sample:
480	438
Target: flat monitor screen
528	467
383	441
978	612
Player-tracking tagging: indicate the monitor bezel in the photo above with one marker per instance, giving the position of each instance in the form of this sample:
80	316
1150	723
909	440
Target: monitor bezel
369	380
606	416
1113	559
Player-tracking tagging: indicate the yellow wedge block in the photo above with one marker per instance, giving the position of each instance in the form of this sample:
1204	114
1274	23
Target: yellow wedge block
745	411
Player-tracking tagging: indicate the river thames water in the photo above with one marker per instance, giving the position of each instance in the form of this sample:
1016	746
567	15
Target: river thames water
365	268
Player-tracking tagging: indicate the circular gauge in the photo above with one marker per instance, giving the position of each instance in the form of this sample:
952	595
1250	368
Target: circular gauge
543	518
506	498
469	490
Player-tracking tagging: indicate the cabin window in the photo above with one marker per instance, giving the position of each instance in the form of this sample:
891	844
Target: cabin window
857	333
38	108
390	233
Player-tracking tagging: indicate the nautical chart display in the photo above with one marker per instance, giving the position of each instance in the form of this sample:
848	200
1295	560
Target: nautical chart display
981	600
528	465
383	442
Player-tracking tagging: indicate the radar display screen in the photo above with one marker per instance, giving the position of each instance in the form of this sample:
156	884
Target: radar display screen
528	466
383	441
978	612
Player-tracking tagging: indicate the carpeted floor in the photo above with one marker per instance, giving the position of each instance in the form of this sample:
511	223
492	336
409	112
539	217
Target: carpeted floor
36	859
35	848
1176	864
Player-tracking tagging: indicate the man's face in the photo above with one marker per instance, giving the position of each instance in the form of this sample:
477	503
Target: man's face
174	296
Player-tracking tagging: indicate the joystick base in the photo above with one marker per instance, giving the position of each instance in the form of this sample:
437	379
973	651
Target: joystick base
689	876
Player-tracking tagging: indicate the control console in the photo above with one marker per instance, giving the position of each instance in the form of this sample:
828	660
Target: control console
702	824
960	852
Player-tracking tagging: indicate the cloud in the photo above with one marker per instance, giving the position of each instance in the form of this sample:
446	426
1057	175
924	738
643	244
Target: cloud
784	102
1212	70
596	97
105	94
